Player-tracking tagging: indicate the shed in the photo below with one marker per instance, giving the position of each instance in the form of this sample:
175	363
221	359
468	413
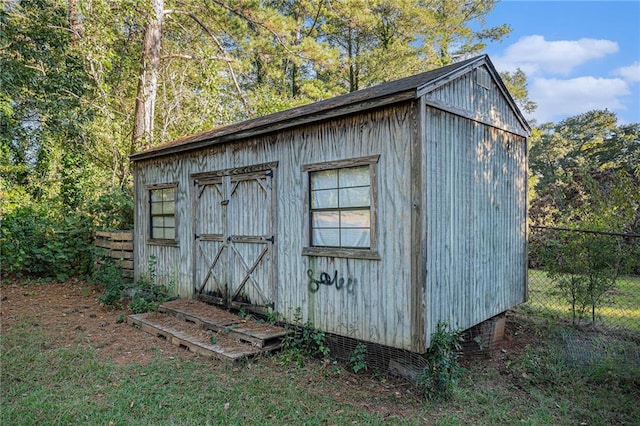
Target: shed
373	215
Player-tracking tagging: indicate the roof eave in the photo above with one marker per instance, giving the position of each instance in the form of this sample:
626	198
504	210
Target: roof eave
479	61
276	125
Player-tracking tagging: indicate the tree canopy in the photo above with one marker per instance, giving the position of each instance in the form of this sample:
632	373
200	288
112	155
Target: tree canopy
110	77
86	83
586	170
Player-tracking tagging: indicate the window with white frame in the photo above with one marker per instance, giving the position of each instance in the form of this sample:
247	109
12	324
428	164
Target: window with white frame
162	201
341	207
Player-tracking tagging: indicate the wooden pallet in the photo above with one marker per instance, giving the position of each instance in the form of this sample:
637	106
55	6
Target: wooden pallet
216	319
209	331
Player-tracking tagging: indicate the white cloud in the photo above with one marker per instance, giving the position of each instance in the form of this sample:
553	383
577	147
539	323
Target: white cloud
630	73
558	98
534	55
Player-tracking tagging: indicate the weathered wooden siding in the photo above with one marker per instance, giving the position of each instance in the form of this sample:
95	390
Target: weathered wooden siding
450	185
374	302
477	96
476	216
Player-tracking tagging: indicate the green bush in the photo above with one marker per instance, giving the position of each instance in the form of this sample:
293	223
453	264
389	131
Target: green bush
41	243
357	360
112	210
438	380
109	275
145	295
584	267
304	340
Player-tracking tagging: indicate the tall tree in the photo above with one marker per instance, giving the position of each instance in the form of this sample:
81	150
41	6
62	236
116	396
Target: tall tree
382	39
148	81
453	36
42	85
587	167
516	83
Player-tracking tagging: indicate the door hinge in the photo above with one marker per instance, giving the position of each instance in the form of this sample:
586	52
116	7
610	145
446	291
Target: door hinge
196	236
271	239
269	173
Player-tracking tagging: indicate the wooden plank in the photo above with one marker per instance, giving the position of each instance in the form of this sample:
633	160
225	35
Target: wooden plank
361	161
115	235
256	168
227	350
473	115
127	255
418	228
341	253
128	246
260	335
122	236
125	264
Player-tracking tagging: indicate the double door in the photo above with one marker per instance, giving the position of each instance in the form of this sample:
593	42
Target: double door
234	238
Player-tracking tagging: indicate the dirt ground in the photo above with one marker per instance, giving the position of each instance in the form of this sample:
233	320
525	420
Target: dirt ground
71	311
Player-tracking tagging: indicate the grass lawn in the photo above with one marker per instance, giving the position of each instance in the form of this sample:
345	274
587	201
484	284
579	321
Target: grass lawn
49	379
621	306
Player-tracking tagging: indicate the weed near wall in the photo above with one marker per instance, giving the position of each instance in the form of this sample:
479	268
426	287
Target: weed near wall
304	341
144	295
439	379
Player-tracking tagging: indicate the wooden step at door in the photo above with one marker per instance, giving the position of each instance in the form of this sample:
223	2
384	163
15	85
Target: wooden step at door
213	318
193	337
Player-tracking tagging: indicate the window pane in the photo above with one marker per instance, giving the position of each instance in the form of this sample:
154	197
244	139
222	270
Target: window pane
354	176
157	221
168	194
355	197
169	207
355	238
170	233
156	208
325	219
340	201
169	222
163	213
327	179
326	237
157	232
355	219
326	198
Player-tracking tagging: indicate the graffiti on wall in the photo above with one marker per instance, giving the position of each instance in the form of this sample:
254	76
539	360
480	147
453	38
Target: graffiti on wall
325	279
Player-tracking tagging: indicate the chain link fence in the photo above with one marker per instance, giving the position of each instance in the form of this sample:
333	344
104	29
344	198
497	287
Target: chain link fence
585	276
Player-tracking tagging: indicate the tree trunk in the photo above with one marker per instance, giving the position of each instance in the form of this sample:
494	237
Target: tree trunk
148	81
75	23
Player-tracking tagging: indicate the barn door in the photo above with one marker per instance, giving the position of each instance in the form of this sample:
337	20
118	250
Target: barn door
234	238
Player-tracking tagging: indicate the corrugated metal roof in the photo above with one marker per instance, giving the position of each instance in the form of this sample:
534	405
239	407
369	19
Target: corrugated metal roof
372	97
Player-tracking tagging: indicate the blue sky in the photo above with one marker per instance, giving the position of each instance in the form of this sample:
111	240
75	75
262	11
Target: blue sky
578	55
